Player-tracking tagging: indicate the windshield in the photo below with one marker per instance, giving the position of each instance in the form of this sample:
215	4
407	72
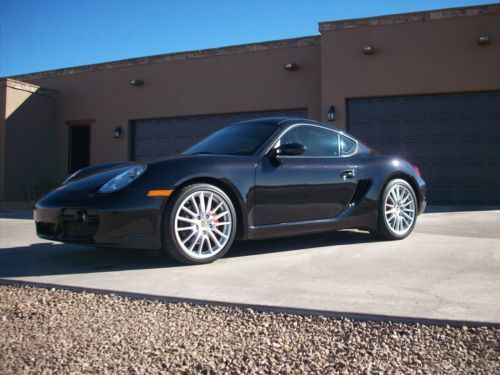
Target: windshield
240	139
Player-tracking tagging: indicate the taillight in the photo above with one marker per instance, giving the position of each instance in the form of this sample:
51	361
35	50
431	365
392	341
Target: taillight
417	170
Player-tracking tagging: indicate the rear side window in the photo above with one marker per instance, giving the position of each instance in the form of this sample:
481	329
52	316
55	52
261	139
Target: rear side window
347	145
318	141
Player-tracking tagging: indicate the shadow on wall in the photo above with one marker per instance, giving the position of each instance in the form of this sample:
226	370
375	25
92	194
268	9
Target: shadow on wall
28	132
45	258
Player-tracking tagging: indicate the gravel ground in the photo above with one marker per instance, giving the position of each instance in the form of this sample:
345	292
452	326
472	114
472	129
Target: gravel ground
54	331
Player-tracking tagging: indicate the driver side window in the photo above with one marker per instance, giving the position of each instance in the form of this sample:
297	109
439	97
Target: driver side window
317	141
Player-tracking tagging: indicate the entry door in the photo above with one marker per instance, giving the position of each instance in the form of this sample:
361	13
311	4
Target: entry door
79	147
314	186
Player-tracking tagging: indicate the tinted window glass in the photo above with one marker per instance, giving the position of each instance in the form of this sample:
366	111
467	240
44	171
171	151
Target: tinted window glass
318	141
347	145
242	139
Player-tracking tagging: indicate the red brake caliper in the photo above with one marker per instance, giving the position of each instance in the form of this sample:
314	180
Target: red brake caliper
216	220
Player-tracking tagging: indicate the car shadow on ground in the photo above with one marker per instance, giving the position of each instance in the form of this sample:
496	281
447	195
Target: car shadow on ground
22	215
274	245
42	259
442	209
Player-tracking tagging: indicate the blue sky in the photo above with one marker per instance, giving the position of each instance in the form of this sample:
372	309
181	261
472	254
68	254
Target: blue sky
38	35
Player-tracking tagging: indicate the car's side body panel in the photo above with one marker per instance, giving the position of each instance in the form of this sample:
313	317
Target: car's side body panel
302	189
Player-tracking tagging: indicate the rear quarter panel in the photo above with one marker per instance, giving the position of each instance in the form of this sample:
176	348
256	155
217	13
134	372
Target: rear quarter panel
381	169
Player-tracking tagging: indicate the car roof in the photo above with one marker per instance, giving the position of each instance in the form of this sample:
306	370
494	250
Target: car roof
286	121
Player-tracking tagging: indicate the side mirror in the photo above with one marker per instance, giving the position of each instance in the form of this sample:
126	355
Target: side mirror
289	149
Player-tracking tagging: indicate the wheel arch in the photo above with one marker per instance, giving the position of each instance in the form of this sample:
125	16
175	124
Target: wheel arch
405	177
226	187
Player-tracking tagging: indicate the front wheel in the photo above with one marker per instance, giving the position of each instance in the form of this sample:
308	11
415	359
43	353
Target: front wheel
199	224
397	210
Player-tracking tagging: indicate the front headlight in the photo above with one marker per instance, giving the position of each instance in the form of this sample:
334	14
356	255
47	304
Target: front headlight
123	179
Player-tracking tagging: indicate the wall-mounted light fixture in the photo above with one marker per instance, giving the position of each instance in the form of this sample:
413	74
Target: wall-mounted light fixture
118	132
483	40
330	115
290	66
368	50
136	82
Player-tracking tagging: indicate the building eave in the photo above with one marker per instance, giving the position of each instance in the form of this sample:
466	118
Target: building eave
28	87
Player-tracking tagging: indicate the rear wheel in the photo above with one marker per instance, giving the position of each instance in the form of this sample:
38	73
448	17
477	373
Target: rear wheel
397	210
199	224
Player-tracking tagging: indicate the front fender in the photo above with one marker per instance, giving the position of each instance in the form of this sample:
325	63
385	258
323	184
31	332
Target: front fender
234	175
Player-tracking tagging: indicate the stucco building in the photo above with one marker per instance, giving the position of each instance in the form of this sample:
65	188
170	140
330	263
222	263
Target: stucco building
424	85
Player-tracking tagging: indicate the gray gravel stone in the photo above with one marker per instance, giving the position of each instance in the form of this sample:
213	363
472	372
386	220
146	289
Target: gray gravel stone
55	331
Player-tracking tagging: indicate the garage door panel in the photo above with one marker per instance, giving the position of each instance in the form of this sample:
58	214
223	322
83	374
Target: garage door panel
479	101
415	131
454	139
412	106
145	145
491	143
443	194
470	194
440	104
493	190
163	137
143	132
471	151
440	127
494	115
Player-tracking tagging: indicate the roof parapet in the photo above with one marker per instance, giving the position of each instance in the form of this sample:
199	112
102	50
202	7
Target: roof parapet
177	56
395	19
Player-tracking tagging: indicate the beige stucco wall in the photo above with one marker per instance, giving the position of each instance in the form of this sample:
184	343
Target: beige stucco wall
229	83
3	90
28	138
435	56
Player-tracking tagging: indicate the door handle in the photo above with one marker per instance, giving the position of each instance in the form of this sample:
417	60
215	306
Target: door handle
348	174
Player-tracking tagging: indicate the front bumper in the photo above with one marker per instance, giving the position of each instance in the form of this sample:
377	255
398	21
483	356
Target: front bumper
71	225
116	220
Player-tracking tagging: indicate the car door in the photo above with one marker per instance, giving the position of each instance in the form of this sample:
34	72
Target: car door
313	186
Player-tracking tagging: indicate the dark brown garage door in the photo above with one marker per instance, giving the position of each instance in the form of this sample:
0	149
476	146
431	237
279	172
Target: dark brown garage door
454	139
162	137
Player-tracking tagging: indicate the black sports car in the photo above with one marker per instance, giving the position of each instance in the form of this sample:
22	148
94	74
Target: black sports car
256	179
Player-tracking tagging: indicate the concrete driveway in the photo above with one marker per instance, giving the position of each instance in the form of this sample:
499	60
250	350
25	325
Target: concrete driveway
448	269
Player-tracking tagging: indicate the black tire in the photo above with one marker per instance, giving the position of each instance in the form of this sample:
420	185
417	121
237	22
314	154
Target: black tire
384	230
170	244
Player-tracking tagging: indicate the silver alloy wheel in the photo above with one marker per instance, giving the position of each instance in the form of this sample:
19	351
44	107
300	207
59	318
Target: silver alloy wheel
203	224
400	209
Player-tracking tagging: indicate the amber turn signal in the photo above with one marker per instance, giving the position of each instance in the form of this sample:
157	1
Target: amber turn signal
160	193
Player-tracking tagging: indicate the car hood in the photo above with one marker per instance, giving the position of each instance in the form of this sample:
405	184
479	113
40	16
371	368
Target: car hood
92	178
89	180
